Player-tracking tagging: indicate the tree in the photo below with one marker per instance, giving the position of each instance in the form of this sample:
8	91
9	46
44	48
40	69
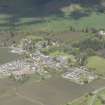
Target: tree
81	58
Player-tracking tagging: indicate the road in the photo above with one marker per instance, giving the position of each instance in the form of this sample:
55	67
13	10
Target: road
95	96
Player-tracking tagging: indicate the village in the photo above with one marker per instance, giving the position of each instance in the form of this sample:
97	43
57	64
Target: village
52	52
37	62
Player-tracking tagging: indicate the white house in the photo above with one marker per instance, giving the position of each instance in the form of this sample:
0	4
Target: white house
101	33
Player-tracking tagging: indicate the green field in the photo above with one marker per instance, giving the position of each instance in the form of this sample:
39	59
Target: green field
97	64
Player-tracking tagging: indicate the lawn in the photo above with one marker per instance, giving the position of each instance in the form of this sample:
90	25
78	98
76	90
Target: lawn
97	63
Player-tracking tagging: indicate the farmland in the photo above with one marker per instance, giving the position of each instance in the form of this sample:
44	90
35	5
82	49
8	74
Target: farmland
44	92
97	63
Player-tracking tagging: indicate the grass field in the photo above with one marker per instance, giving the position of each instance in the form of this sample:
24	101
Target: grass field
97	63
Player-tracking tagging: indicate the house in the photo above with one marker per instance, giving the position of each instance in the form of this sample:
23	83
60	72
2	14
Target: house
101	33
62	60
21	73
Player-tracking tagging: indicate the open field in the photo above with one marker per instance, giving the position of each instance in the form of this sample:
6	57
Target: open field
55	91
68	36
6	56
97	63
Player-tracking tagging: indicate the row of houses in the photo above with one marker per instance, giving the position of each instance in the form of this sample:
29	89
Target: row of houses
79	75
17	68
30	66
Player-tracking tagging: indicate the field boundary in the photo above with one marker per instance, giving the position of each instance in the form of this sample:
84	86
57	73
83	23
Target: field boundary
29	99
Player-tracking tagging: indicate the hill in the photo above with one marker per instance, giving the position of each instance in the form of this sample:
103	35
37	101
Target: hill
27	12
21	17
